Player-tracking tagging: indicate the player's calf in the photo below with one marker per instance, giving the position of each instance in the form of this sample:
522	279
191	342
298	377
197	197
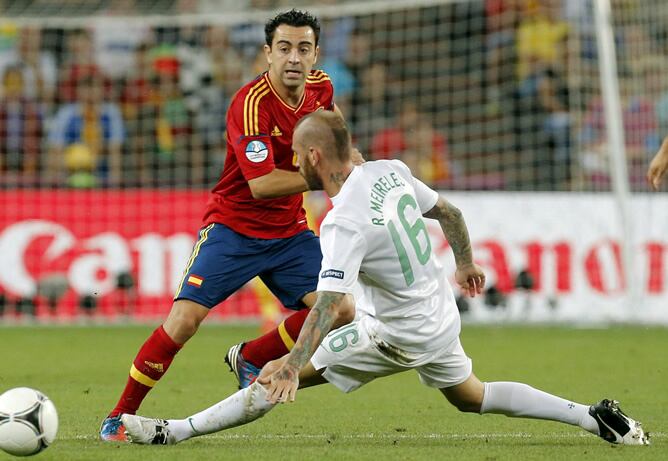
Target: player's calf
242	407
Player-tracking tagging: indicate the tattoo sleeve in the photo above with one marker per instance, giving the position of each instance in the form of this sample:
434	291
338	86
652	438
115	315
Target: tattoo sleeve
318	323
454	228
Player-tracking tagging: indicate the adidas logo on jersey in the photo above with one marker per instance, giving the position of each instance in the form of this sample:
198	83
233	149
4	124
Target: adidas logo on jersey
276	131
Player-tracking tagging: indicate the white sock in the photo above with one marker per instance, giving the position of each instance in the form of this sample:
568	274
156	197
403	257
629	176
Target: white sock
240	408
521	400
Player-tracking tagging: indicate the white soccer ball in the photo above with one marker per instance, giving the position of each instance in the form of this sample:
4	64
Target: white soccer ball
28	421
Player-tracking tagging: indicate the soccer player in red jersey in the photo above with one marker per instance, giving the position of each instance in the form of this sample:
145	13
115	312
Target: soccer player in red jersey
254	224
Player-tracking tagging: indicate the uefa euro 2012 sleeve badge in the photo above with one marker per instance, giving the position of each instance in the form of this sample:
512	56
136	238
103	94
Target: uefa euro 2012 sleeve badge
256	151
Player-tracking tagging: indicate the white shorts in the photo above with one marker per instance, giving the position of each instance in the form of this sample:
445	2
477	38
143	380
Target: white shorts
353	355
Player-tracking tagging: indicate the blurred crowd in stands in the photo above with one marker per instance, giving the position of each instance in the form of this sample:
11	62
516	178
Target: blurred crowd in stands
481	95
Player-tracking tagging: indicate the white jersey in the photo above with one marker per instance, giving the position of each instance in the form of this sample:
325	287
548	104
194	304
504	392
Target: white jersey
375	235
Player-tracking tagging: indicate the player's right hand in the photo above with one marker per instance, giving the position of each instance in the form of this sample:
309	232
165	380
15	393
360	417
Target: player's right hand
658	166
281	385
471	279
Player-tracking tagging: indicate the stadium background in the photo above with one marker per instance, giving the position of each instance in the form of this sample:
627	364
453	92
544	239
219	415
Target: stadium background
497	103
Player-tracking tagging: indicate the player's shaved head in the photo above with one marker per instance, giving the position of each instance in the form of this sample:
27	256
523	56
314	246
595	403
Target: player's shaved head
326	131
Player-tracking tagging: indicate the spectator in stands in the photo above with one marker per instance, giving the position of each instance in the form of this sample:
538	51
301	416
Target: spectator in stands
137	88
79	61
93	123
374	100
37	66
210	74
168	155
656	88
545	120
115	39
20	126
137	96
640	135
342	79
540	35
225	60
501	21
414	140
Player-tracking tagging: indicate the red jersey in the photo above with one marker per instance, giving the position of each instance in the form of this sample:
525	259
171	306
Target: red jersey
259	139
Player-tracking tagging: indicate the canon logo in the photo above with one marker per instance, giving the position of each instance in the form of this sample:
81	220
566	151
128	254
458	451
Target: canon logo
92	263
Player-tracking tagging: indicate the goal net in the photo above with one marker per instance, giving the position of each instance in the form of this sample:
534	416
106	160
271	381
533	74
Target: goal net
112	128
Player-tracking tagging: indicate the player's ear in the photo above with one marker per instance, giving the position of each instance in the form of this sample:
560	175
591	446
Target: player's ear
313	156
267	53
317	53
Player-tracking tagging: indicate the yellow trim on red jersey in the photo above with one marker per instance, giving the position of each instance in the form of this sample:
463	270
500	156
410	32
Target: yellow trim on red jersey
202	239
294	109
321	79
247	100
317	76
141	377
285	336
250	108
256	112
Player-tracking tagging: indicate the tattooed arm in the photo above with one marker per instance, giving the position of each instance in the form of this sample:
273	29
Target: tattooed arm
329	307
469	276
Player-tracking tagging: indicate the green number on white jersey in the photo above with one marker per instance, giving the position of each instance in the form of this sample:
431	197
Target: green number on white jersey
340	340
413	232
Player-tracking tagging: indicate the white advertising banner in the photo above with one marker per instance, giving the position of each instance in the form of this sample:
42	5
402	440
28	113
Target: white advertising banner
572	245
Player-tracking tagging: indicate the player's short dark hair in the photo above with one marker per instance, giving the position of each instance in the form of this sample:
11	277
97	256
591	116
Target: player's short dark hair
294	18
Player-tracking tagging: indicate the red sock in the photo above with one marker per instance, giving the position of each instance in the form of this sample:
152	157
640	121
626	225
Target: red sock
277	342
149	366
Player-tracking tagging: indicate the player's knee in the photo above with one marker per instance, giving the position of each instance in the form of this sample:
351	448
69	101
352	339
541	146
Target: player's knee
182	323
465	398
467	406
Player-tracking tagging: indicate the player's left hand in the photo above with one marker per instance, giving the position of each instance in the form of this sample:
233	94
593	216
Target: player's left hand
281	385
356	157
471	279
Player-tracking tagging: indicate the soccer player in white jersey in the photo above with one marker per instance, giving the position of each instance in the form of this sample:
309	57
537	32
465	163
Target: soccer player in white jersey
375	237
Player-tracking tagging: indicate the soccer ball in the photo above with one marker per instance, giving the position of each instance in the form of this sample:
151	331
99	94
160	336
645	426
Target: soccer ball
28	421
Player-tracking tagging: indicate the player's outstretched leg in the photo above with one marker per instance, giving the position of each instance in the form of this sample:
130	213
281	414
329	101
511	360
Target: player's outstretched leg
152	362
521	400
247	359
243	407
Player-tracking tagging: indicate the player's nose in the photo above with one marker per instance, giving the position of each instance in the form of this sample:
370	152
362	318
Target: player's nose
294	56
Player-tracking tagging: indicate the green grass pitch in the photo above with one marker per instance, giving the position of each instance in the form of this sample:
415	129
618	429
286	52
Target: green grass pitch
84	369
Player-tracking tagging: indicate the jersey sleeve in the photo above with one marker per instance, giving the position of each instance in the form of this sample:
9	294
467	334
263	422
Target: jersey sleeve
248	131
343	248
328	94
426	196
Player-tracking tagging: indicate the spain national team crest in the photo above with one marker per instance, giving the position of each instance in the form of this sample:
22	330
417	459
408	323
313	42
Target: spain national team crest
256	151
